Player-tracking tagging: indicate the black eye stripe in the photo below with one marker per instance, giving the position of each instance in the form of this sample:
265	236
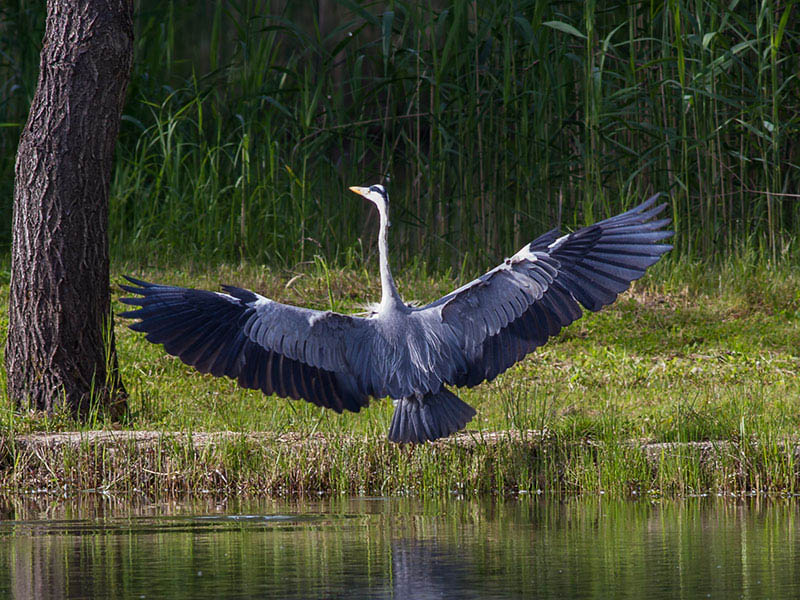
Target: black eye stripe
379	189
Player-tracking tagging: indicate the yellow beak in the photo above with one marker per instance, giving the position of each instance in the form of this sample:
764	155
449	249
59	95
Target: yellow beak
361	191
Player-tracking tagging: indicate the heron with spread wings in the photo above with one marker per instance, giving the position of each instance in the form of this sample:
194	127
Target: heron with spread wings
410	354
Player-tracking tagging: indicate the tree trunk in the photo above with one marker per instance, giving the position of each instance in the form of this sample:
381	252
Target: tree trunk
60	348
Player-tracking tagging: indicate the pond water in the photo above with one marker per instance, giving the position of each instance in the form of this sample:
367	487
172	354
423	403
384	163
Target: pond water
102	547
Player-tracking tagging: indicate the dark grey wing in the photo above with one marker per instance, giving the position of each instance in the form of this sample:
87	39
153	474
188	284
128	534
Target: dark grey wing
280	349
517	306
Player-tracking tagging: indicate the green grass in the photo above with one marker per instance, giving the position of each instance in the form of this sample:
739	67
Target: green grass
694	353
709	357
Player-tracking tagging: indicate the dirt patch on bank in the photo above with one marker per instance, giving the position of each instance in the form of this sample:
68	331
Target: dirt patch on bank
204	439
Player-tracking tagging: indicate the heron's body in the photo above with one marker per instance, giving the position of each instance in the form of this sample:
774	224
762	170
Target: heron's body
411	354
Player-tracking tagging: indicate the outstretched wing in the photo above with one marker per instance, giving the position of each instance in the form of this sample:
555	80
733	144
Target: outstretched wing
514	308
280	349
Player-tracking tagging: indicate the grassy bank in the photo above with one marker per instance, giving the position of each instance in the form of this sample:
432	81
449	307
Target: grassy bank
476	463
687	384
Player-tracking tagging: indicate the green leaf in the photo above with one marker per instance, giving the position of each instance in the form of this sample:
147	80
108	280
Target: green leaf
776	40
564	27
386	30
359	10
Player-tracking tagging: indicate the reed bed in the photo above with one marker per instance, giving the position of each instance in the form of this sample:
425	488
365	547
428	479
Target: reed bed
164	464
492	121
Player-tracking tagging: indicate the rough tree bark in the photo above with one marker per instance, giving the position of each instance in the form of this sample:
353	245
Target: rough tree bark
60	348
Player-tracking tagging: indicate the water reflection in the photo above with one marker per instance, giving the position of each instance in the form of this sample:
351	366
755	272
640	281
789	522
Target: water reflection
104	547
425	570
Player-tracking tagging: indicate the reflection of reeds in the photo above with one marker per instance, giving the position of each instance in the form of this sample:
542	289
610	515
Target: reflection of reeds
240	138
537	547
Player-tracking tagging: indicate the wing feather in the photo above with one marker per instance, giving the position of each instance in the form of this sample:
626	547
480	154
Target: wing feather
277	375
514	308
262	344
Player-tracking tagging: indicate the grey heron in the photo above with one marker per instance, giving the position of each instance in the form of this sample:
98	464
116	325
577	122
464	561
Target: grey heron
410	354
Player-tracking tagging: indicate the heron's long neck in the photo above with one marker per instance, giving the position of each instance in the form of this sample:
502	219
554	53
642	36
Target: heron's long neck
389	295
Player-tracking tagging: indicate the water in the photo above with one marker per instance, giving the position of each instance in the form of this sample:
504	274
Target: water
97	547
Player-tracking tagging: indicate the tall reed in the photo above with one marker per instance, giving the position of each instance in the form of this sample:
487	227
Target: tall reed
246	121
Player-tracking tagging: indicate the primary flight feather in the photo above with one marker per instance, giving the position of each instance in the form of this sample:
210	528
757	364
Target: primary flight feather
407	353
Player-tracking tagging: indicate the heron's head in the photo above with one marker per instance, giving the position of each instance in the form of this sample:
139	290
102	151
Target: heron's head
375	194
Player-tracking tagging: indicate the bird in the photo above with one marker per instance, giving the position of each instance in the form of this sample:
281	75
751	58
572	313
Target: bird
412	354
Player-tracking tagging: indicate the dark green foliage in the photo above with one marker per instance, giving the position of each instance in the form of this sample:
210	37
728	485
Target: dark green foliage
247	120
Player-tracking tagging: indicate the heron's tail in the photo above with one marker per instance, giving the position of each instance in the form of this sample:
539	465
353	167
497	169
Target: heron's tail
432	417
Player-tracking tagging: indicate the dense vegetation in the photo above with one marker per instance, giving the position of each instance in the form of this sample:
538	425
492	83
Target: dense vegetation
246	122
494	120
